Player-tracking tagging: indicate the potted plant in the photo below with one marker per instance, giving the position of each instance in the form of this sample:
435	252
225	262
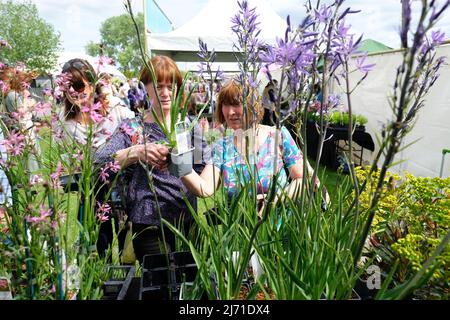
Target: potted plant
179	128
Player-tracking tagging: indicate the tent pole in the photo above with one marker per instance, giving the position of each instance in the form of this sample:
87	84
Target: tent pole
147	52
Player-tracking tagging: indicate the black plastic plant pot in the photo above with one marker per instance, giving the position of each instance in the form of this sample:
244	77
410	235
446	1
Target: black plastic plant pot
152	261
118	283
181	163
181	258
156	277
186	273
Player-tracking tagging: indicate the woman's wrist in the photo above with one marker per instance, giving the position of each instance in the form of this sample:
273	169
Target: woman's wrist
129	155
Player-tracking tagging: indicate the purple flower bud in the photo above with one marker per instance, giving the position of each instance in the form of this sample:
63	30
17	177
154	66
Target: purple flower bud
437	37
406	20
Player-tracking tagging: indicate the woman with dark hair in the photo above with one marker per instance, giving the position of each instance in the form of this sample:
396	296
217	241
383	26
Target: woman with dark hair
88	110
87	106
138	146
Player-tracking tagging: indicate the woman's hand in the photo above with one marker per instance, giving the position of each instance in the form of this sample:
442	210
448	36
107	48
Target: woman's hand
155	155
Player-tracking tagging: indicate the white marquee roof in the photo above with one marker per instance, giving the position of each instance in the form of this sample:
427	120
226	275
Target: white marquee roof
213	25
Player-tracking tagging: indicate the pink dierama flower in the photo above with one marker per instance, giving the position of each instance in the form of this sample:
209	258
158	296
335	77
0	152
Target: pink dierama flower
94	112
110	166
33	220
20	114
54	225
114	166
78	155
57	174
127	129
104	175
62	83
103	211
43	216
14	143
102	62
36	179
44	213
3	87
42	109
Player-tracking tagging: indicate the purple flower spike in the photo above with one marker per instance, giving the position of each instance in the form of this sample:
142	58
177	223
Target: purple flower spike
406	14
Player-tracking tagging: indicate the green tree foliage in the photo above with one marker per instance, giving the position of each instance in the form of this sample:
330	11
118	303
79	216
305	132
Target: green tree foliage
34	41
119	42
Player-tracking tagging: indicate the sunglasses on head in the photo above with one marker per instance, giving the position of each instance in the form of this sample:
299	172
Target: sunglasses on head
83	67
77	64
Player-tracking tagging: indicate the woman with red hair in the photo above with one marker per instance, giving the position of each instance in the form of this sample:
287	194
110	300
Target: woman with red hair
138	146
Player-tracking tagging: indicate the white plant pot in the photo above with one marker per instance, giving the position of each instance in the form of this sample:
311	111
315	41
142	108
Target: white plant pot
181	163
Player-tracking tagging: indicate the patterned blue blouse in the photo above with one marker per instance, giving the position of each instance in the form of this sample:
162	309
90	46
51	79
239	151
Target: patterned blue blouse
235	171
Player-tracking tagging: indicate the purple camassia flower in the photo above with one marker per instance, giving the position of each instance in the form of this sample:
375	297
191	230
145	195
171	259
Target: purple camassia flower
364	68
206	60
436	13
299	55
219	74
323	14
334	100
437	36
246	28
406	14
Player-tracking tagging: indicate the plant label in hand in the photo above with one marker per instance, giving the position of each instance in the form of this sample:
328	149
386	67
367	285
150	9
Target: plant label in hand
181	137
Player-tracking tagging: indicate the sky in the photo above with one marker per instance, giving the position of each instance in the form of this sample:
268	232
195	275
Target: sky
79	21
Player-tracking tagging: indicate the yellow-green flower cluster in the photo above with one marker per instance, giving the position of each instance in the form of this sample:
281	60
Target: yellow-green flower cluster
416	249
411	219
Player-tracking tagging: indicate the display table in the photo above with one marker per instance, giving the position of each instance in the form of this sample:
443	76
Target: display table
336	141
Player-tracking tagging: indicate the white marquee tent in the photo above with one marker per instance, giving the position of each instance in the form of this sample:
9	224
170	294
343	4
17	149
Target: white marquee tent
213	25
432	128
